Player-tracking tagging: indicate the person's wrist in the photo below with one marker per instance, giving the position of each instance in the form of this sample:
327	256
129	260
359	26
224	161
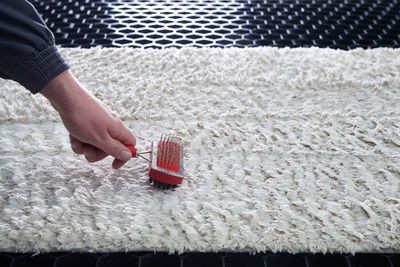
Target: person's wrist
63	91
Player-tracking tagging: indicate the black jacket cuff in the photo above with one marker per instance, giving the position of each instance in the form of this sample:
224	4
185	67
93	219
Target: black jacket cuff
39	68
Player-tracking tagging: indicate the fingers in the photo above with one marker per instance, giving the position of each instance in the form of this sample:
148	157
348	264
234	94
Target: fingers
115	145
110	146
93	154
76	145
116	149
118	163
111	140
121	133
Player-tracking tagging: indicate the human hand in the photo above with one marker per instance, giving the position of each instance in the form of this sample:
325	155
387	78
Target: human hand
95	130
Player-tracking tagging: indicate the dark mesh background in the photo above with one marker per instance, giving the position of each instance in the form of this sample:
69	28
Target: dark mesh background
154	23
148	259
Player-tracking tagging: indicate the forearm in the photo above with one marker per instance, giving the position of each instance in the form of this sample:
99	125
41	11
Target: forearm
63	92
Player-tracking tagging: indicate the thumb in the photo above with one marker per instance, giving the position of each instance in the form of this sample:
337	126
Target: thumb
116	149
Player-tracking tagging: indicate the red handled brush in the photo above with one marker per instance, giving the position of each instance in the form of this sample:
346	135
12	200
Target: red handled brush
165	163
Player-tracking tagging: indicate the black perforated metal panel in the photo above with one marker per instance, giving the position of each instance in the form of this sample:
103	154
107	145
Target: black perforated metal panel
157	23
149	259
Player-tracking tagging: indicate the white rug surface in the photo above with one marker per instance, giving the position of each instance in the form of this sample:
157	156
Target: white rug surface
285	149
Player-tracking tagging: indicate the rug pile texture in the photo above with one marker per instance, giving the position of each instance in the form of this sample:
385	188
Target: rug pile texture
285	150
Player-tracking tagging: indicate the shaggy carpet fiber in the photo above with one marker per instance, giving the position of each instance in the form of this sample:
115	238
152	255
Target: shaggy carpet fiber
285	150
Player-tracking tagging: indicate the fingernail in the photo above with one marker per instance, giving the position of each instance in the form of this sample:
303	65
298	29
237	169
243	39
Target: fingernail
125	155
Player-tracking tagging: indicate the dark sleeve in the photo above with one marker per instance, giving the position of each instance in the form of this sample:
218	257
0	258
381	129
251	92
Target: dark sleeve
28	54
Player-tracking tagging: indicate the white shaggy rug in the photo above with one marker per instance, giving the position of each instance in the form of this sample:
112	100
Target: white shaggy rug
285	150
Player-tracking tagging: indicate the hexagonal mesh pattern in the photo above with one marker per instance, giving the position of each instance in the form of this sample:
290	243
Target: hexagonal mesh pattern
242	23
149	259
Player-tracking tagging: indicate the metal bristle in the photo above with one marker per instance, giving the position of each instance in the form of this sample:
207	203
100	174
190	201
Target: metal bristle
168	152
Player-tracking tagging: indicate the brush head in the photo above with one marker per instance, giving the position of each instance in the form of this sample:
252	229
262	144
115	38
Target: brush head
166	162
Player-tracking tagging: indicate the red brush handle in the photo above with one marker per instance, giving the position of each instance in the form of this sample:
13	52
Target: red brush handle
133	150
